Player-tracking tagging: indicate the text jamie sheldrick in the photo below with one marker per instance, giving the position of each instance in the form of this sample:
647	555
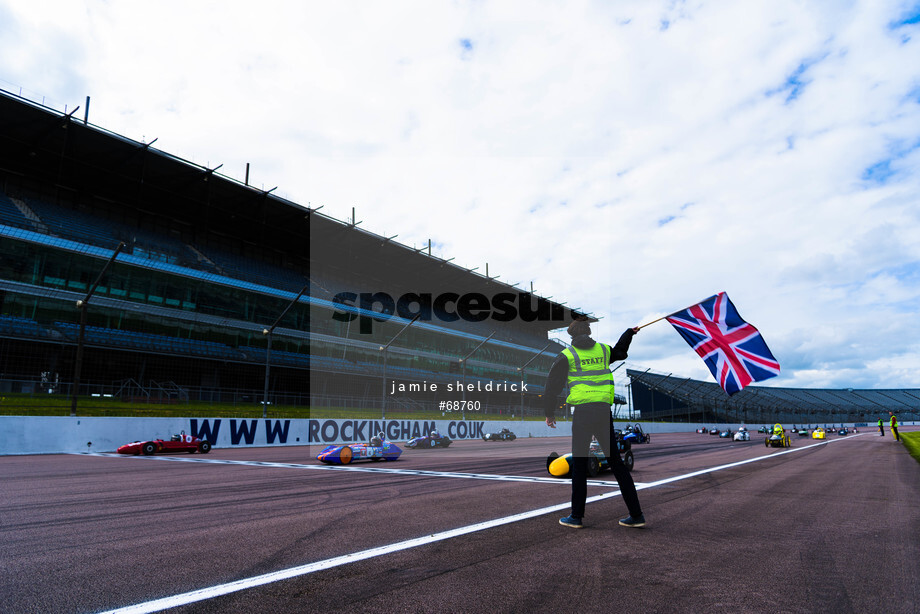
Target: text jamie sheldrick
458	386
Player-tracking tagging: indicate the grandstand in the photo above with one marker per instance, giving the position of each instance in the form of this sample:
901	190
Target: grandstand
208	263
675	399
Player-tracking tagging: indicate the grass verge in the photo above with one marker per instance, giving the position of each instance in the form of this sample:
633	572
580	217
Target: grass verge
911	441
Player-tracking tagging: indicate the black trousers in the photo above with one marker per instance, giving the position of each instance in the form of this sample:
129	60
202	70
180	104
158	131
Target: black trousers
594	419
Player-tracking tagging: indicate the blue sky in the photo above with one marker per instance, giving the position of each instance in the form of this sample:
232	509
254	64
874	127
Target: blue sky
766	148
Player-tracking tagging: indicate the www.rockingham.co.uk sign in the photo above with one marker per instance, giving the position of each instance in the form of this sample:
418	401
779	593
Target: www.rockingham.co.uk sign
238	432
65	434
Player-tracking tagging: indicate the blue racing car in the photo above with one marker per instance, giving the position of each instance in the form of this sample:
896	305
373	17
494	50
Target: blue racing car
377	449
433	440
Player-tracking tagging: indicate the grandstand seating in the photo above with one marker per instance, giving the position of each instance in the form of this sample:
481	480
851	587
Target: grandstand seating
71	224
94	230
278	357
253	270
9	212
803	405
171	255
22	327
149	342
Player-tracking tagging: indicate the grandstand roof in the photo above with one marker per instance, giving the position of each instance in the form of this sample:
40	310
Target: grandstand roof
104	171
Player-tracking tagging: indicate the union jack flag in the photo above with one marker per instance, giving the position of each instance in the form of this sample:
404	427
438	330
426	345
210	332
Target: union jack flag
733	350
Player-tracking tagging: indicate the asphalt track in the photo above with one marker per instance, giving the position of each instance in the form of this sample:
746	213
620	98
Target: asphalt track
732	527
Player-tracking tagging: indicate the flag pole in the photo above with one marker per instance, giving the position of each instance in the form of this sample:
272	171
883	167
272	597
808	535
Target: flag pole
673	312
656	320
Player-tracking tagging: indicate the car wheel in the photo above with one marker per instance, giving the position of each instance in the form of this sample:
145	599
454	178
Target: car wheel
549	459
204	447
513	437
149	448
346	455
629	461
432	443
766	442
594	466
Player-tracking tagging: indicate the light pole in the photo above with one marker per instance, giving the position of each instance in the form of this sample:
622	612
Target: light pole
521	370
385	349
463	369
268	351
82	305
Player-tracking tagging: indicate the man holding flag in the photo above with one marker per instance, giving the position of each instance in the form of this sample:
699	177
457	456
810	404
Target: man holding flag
585	367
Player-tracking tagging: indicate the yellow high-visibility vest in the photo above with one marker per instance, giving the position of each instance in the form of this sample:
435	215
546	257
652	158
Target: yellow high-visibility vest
589	377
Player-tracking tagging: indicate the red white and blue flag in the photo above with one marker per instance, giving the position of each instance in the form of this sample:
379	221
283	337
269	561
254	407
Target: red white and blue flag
733	350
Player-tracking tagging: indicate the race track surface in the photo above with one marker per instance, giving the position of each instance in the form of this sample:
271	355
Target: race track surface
820	527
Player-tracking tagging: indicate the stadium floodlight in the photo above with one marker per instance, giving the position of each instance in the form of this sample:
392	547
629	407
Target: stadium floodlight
82	305
463	368
521	371
268	350
384	349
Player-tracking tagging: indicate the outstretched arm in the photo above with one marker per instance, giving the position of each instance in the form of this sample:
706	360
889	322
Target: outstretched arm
621	349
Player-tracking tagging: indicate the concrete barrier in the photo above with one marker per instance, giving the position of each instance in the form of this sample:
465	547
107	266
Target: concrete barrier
64	434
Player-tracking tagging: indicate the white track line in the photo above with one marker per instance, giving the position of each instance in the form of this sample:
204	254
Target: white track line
302	570
735	464
359	469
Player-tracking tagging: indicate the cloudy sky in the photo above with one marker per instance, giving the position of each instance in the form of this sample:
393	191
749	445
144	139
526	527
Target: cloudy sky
630	158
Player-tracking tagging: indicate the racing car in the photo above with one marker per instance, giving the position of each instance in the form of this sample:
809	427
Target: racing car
377	449
561	466
176	443
635	434
779	438
843	431
703	430
502	435
726	434
819	433
742	435
433	439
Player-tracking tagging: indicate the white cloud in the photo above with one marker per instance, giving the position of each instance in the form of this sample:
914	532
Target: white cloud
696	146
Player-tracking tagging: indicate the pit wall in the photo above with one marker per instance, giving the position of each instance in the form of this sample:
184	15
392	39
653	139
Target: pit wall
64	434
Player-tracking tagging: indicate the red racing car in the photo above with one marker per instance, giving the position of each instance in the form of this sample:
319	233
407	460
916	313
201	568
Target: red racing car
177	443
